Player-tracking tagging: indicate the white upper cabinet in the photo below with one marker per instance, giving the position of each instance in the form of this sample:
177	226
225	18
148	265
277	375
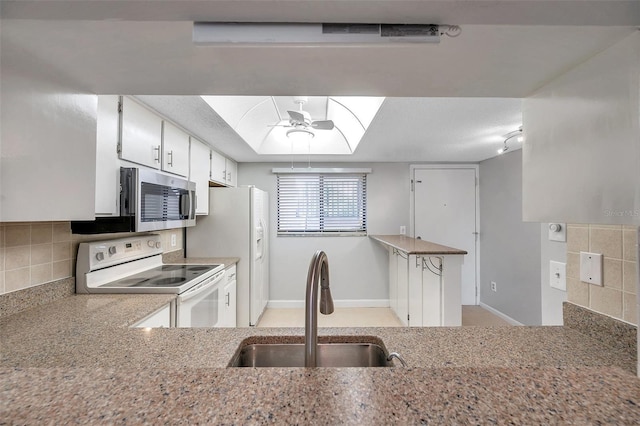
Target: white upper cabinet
175	150
199	173
107	163
218	168
224	171
231	168
141	134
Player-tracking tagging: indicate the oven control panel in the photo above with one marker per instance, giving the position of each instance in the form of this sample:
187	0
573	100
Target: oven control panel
100	254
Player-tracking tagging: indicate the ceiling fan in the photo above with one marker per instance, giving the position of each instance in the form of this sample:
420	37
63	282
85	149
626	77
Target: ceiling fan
301	119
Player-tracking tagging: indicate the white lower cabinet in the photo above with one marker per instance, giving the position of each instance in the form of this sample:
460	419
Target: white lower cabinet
415	289
228	299
162	318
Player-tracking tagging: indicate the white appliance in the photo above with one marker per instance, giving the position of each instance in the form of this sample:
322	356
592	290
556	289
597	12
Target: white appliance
134	265
237	226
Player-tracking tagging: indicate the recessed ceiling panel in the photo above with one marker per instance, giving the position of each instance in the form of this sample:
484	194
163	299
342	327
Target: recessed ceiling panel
265	125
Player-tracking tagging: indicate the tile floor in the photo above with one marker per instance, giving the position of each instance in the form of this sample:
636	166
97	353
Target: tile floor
367	317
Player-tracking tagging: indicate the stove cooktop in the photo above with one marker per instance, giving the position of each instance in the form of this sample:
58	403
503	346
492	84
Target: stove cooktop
164	278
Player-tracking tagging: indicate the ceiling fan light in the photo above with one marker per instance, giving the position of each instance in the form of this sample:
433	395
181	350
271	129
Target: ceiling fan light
300	134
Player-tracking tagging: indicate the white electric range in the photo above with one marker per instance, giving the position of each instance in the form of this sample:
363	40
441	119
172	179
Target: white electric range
134	265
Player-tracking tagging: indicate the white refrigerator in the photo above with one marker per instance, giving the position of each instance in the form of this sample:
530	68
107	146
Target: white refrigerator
238	226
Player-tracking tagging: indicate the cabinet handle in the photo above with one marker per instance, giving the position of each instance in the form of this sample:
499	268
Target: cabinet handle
224	175
157	149
229	176
228	299
170	162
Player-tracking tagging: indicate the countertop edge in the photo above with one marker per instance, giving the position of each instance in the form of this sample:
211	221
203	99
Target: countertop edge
435	249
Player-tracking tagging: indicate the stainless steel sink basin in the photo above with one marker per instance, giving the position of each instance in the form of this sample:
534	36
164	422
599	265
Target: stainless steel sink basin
330	354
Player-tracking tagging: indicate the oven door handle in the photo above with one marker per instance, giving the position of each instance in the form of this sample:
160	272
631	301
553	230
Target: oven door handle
201	288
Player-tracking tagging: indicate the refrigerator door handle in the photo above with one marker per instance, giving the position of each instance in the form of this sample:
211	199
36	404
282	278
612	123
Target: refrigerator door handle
265	243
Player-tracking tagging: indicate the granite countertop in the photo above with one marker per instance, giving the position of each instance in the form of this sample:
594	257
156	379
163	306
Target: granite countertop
414	246
76	360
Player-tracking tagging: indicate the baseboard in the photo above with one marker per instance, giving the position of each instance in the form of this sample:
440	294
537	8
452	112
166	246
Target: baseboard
347	303
500	314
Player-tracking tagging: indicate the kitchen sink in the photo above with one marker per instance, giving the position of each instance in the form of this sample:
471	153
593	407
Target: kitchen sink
330	354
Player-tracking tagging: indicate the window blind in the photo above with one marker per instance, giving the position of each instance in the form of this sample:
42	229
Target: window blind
322	204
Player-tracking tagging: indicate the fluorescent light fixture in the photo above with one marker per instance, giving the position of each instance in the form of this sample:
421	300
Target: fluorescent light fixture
224	33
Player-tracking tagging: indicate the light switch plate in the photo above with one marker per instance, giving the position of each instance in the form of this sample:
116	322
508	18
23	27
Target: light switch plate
558	275
558	232
591	268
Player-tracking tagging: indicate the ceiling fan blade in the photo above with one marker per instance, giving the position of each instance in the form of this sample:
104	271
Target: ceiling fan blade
323	125
296	116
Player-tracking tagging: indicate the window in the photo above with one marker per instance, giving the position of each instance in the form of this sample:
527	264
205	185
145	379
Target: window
322	204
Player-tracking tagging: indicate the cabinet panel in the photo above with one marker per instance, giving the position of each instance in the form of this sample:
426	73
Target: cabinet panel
229	301
199	173
415	291
159	319
107	164
393	281
218	168
175	150
403	288
232	172
431	293
141	134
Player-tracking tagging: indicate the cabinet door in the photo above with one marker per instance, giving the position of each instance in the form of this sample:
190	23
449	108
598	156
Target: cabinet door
432	308
415	291
141	134
232	172
403	288
218	168
175	150
393	281
229	308
107	163
159	319
200	164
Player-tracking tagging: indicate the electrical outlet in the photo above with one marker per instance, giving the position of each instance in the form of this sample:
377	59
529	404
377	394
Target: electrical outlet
494	286
174	240
403	230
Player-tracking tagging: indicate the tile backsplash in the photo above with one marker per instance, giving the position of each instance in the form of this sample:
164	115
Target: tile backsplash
34	253
618	245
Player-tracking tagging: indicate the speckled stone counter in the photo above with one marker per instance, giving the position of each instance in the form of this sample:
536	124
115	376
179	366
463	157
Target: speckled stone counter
414	246
76	360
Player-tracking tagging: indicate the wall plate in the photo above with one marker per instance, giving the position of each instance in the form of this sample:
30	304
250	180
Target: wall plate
558	232
558	275
591	268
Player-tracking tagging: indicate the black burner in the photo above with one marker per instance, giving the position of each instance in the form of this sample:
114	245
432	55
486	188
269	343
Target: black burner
198	268
172	267
133	281
168	281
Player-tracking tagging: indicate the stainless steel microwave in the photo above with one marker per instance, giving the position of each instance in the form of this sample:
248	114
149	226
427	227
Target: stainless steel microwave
149	201
155	200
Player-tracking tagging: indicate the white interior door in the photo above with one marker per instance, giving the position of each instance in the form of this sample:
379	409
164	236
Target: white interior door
444	212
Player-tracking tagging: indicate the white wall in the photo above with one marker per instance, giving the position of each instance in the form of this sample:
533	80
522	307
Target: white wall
358	266
510	248
582	149
48	142
551	298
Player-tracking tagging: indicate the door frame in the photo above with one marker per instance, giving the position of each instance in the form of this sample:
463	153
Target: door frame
476	168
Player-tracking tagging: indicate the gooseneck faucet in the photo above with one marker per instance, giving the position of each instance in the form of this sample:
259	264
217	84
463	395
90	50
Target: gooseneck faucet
318	271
